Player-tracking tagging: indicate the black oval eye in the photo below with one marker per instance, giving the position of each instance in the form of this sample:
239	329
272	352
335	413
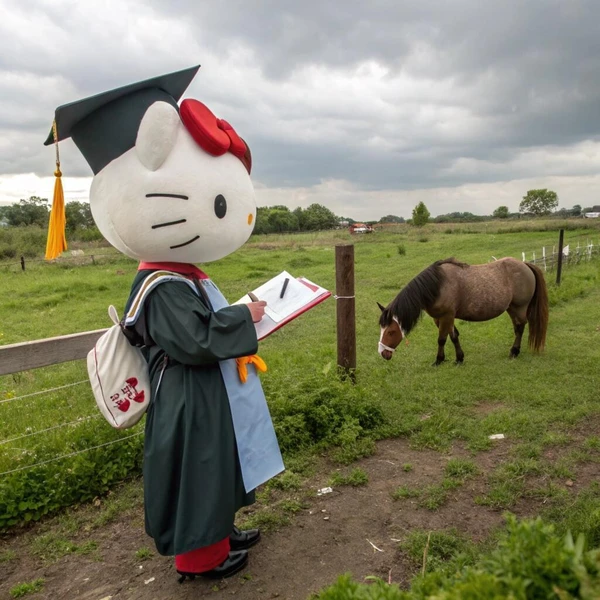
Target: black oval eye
220	206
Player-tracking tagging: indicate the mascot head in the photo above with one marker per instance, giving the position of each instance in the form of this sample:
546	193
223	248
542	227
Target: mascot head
171	182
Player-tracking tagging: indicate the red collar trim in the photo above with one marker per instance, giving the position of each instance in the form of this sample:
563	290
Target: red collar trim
182	268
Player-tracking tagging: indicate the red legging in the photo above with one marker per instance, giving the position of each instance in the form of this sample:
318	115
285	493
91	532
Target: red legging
203	559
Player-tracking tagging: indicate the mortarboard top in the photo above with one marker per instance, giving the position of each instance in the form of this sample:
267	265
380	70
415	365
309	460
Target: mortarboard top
105	126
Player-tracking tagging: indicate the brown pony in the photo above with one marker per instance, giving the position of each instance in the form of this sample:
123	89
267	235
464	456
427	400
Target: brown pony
448	290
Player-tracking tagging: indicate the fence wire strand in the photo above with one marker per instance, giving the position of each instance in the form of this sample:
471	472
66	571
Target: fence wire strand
26	435
62	387
50	460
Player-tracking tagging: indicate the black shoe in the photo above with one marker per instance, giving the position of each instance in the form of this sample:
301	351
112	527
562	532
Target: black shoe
235	562
242	540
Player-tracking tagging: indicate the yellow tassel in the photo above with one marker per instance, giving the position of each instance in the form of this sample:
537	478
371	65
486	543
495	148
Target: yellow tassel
56	243
255	360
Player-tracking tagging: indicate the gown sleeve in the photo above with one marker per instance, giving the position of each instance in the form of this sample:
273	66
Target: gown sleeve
181	324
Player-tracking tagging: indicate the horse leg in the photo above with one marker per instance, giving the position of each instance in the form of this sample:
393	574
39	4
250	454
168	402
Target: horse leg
445	327
519	320
460	355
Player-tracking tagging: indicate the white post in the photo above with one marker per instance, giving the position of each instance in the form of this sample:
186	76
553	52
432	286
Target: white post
523	253
544	257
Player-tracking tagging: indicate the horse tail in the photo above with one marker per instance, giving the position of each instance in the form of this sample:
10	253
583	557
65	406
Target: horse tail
537	311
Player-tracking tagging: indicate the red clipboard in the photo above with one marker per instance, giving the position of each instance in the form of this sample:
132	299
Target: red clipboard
272	322
317	300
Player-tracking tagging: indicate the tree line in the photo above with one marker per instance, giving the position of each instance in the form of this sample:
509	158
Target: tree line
34	211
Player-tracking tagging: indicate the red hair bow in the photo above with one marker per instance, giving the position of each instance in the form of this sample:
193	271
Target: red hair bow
213	135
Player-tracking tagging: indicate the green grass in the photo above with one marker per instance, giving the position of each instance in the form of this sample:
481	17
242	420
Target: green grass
311	408
50	547
460	468
444	548
432	496
144	554
7	555
355	478
404	491
23	589
288	480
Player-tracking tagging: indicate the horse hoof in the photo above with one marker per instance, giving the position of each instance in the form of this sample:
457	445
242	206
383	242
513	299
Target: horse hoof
460	362
437	363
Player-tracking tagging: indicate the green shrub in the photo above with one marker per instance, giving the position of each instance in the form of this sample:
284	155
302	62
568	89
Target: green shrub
530	561
91	234
7	252
22	241
30	494
321	411
325	412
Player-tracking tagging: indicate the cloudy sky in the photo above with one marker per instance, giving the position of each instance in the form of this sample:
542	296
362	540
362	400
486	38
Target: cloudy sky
365	107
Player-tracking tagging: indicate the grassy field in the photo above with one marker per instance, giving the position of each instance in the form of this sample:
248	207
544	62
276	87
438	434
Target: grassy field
534	405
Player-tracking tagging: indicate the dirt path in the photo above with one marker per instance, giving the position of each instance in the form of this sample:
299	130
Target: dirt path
332	534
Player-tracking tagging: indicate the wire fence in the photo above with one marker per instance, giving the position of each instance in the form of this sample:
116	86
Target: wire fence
71	454
77	258
547	257
36	434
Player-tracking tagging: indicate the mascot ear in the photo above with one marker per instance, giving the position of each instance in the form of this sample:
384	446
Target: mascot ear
156	135
381	307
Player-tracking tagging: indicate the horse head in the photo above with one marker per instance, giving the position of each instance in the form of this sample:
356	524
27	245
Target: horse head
391	333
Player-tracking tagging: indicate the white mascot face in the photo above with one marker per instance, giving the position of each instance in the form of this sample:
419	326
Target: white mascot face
167	199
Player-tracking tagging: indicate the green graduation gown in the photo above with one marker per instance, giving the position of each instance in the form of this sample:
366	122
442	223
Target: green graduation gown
192	478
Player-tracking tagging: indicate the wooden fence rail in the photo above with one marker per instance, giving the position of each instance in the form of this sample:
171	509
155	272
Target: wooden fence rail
46	352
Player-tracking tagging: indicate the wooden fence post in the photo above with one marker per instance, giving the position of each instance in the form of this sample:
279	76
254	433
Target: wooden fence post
22	263
345	310
561	236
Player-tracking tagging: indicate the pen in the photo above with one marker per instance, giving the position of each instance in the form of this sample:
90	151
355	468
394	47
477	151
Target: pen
253	297
283	288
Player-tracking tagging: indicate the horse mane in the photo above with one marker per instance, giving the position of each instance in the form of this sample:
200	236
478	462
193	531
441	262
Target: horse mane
419	293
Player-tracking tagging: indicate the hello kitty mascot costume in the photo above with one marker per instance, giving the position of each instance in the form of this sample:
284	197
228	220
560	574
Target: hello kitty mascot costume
172	188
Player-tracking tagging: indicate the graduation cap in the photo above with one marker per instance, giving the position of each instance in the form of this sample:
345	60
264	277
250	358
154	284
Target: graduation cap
104	127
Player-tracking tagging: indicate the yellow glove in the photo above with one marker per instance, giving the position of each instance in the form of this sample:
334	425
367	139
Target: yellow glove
254	359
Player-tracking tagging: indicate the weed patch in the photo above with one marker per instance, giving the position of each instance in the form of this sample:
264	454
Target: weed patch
23	589
356	478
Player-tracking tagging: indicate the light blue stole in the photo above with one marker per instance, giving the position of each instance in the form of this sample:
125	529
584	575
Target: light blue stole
258	450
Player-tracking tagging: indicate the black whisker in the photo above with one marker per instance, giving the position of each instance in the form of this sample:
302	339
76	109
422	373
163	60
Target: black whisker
180	196
184	243
169	223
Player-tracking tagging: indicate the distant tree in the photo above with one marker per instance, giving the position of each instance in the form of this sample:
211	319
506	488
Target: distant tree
262	220
78	216
319	217
420	215
501	212
281	221
391	219
576	210
301	218
539	202
33	211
